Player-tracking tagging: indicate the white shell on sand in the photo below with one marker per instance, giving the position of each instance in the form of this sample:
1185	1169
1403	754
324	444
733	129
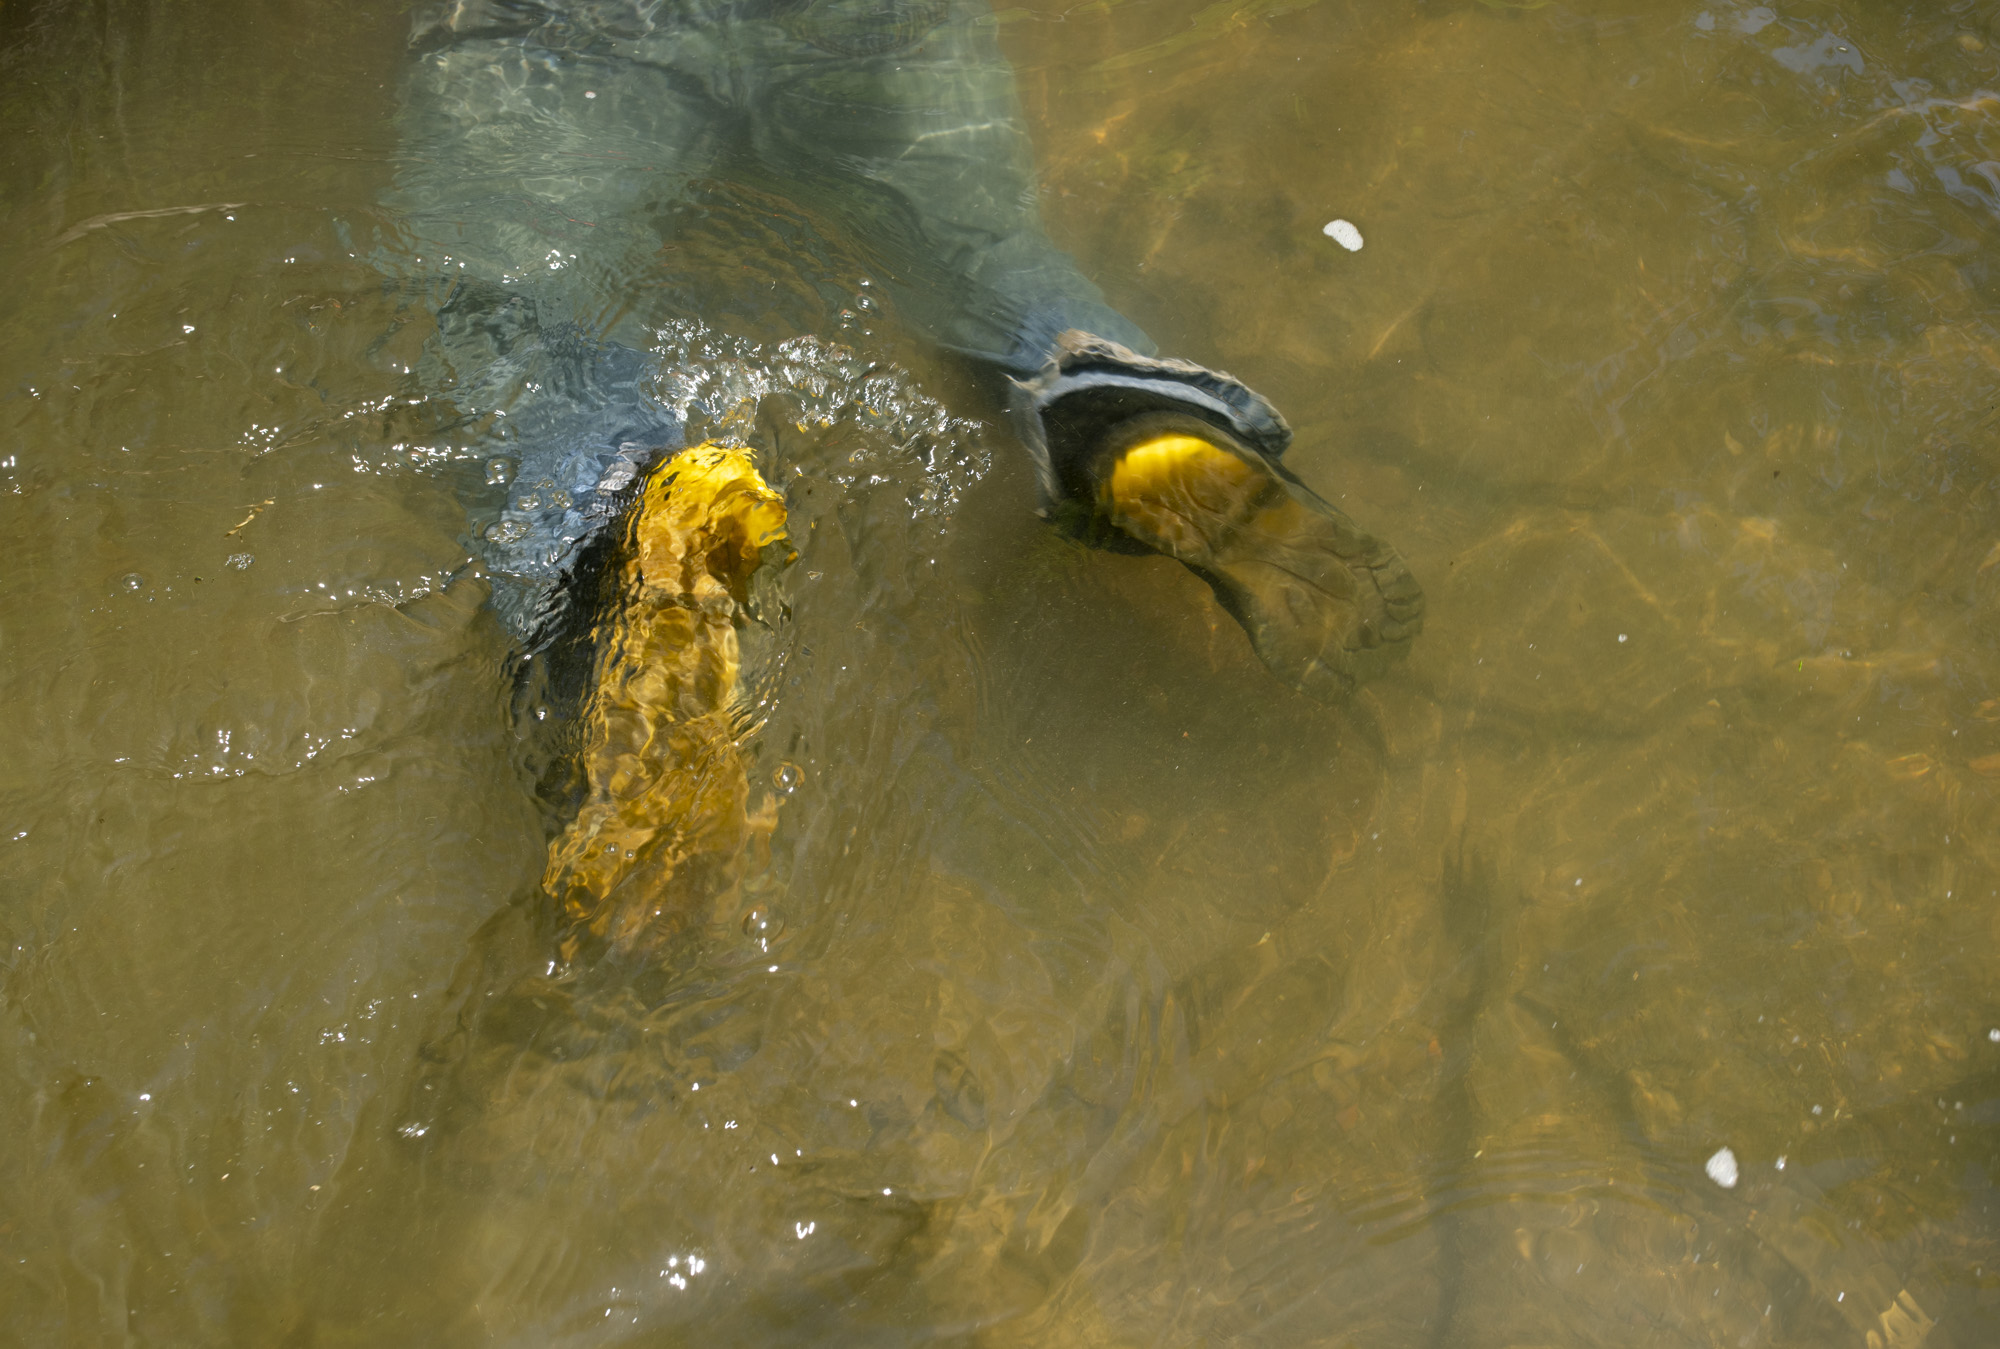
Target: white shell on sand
1722	1168
1343	233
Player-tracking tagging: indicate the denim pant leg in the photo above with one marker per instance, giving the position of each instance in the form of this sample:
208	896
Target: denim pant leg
543	141
902	121
532	181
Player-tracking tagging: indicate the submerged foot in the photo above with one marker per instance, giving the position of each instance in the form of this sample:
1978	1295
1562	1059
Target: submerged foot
667	816
1322	600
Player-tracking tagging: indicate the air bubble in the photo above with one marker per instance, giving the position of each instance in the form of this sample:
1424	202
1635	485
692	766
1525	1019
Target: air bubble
787	777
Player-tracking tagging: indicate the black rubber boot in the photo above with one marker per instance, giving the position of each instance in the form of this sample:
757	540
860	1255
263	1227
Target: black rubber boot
1185	461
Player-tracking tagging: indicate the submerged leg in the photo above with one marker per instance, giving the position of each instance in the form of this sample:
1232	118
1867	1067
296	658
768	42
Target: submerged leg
904	119
667	815
534	168
538	157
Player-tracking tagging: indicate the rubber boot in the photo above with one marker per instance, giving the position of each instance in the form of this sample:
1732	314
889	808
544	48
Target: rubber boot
1186	461
667	820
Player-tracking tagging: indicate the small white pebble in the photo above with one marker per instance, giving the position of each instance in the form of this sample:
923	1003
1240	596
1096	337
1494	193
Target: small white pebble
1722	1168
1994	1035
1621	636
1343	233
1781	1163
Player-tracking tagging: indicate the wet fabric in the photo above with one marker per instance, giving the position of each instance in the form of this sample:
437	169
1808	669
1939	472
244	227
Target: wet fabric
546	143
571	424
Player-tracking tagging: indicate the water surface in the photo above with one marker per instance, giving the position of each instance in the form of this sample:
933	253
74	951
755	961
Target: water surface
1099	992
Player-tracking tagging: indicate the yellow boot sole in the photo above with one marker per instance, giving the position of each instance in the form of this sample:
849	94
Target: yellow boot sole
1323	601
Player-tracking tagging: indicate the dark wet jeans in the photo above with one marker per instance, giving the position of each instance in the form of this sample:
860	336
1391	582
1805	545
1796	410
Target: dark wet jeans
545	144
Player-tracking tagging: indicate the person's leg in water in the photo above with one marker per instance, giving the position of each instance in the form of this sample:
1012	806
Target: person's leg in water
666	817
536	163
561	130
546	142
902	121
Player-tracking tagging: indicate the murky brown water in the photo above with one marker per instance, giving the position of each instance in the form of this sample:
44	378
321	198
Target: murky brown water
1102	993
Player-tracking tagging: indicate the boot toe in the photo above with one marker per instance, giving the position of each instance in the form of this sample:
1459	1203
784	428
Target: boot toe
1324	603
